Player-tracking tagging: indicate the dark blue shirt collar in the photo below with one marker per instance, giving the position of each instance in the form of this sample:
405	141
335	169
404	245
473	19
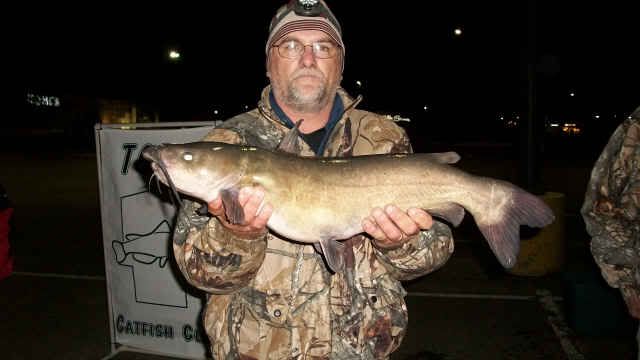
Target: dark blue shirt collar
334	117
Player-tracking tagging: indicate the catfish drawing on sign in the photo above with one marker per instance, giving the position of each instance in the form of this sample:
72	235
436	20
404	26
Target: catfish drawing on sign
324	200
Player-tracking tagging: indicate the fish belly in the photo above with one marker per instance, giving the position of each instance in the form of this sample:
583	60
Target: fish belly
339	214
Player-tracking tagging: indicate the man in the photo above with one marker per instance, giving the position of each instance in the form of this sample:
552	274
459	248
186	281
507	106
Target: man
271	298
611	211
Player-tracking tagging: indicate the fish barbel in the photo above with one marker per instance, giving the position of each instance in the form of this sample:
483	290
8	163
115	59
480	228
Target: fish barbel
322	200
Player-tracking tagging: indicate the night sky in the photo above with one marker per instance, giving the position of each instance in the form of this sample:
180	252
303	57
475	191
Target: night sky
404	52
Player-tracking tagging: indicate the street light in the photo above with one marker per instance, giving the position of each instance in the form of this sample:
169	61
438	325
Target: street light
174	55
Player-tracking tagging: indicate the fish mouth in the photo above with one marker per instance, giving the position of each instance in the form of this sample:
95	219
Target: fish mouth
152	153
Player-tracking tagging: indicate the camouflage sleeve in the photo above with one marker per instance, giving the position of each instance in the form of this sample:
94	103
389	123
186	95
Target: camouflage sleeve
423	253
612	207
214	259
210	257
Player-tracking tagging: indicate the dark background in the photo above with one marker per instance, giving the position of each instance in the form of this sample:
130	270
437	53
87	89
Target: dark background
476	87
404	52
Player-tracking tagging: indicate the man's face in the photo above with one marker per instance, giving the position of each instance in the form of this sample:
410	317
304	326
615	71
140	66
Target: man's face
306	83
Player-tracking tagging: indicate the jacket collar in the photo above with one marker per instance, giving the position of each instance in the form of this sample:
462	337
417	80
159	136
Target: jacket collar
266	110
271	111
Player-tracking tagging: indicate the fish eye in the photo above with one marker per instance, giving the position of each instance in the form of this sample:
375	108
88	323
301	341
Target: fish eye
187	156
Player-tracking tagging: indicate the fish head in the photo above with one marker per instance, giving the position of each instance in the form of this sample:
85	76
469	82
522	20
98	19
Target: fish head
198	169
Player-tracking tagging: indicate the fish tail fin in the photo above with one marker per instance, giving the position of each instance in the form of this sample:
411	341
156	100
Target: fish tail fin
503	234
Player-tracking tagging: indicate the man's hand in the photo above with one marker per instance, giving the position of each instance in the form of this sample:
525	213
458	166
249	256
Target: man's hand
391	227
254	222
633	303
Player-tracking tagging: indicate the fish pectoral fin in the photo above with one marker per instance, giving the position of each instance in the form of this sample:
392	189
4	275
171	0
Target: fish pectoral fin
450	212
232	207
449	157
289	143
333	252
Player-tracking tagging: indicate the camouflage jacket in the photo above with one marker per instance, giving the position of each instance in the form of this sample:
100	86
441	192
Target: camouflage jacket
274	299
611	209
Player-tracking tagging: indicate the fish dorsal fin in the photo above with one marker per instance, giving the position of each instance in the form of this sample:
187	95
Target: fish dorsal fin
289	143
451	212
232	207
333	252
449	157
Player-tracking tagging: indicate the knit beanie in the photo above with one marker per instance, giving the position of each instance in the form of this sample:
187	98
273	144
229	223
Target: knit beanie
304	15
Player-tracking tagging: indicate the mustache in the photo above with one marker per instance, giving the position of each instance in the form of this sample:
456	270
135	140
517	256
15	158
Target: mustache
307	72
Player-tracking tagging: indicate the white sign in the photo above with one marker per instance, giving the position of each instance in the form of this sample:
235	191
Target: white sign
151	306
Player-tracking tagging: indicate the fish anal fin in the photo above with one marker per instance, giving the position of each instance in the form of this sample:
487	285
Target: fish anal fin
289	143
504	241
450	212
333	252
232	207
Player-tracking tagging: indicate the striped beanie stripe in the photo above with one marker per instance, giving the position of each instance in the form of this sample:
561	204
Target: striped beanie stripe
305	24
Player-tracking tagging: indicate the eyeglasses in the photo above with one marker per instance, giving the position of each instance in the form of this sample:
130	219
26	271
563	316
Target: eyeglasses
293	49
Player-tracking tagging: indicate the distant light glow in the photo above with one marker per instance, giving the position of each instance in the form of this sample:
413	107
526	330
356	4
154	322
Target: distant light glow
43	100
457	31
555	124
572	94
215	112
596	116
246	107
571	129
426	108
174	55
358	83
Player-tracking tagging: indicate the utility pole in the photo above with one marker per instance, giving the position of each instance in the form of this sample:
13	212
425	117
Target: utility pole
532	130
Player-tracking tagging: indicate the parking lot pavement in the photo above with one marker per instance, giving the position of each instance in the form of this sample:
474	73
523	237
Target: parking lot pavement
66	318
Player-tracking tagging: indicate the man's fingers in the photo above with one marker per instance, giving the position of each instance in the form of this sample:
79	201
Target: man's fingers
403	222
391	226
244	195
369	225
215	207
421	217
252	204
263	216
387	226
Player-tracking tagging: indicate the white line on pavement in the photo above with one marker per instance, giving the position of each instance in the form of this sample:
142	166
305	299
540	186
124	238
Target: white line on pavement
60	276
478	296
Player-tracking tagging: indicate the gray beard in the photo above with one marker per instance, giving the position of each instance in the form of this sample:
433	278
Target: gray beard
301	103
